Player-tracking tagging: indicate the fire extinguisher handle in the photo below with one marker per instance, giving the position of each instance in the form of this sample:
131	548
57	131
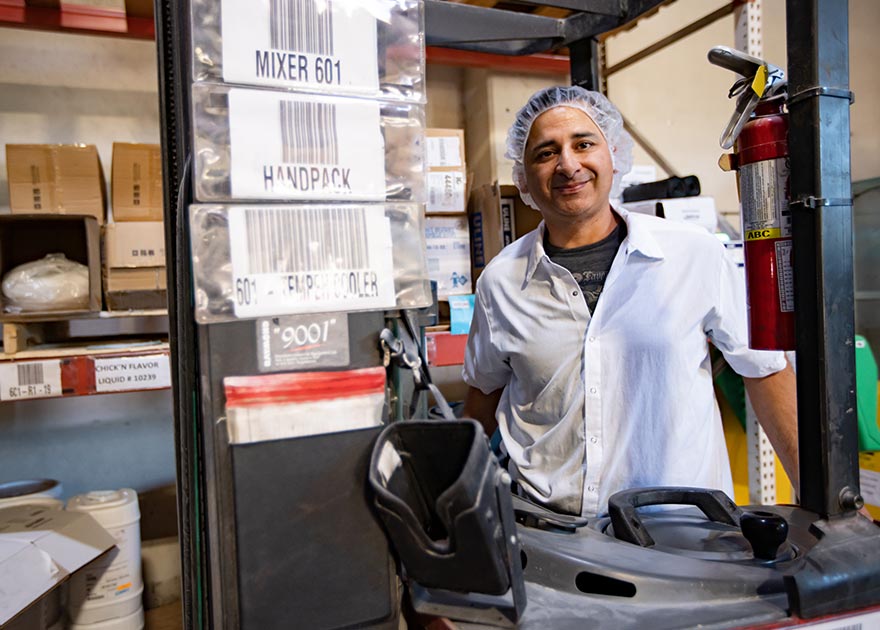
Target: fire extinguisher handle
735	61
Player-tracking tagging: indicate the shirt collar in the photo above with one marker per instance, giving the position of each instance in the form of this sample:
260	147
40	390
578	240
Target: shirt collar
638	239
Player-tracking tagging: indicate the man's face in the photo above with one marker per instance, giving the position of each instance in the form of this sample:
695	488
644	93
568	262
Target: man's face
567	165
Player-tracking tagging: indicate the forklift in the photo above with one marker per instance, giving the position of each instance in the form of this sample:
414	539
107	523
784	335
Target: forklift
319	530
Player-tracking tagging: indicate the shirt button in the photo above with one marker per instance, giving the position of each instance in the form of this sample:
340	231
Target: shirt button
593	390
574	293
594	439
592	339
591	488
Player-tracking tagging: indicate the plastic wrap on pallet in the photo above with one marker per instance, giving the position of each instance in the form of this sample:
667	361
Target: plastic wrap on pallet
260	261
372	48
266	145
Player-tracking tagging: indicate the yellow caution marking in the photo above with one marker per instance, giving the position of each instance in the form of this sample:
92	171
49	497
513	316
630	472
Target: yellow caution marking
759	84
764	234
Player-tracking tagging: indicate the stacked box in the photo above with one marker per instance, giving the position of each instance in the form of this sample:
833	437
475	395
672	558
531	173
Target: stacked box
134	245
55	179
134	266
446	177
447	242
28	238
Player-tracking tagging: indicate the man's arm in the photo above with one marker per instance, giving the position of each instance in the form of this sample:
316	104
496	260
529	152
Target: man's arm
774	399
481	407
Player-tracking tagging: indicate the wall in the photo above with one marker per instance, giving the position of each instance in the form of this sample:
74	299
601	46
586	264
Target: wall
66	88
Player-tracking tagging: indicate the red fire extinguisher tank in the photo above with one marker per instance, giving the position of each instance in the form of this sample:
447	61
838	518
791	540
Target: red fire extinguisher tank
762	161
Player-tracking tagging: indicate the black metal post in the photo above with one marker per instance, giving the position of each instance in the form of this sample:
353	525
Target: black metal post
819	145
584	63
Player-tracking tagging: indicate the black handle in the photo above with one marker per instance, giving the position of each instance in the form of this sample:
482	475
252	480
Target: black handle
628	527
765	532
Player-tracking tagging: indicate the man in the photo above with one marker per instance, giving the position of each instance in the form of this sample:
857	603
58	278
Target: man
589	347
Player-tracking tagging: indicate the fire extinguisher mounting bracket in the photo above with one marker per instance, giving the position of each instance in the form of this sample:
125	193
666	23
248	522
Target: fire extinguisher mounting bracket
822	91
819	202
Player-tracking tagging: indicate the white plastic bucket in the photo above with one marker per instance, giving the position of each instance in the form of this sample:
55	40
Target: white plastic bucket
110	587
42	492
134	621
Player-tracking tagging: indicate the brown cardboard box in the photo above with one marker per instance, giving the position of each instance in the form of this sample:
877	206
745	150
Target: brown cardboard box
136	182
25	238
444	149
134	244
55	179
498	216
135	288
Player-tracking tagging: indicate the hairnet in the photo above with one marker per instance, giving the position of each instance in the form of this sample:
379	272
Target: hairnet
593	104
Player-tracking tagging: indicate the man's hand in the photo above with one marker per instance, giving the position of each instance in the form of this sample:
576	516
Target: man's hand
481	407
774	399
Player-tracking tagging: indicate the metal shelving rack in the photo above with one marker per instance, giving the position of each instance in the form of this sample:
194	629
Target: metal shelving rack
820	188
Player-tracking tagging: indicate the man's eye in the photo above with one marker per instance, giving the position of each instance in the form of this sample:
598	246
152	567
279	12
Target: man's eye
584	144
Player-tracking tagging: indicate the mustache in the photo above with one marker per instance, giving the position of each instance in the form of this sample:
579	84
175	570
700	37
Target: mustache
560	181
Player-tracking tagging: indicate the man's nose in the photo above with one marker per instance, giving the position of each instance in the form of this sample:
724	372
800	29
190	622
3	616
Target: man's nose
567	163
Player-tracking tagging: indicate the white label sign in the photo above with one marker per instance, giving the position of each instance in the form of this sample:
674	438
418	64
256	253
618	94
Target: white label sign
298	146
288	260
446	192
30	379
117	374
319	44
443	151
869	483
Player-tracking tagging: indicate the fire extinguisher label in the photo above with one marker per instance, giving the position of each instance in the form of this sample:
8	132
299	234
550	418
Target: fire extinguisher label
785	276
764	192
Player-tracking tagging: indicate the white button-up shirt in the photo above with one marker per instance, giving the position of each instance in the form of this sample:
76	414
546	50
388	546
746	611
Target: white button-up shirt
620	398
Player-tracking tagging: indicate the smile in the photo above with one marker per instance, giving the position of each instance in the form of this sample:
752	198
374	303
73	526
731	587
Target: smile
571	187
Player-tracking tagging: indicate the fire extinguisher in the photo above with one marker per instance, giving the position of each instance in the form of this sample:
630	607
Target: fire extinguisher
759	128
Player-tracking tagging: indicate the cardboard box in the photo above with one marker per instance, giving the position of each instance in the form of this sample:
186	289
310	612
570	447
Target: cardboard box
134	244
25	238
498	216
447	191
40	548
697	210
444	149
449	254
55	179
139	288
136	182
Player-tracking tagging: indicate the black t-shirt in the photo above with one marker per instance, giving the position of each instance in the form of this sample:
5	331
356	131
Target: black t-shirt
589	264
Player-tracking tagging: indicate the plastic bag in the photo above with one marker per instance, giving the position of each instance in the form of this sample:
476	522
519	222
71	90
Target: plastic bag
52	283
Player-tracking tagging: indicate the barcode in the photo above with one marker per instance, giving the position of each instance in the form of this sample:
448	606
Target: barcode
30	374
854	626
285	240
308	133
298	26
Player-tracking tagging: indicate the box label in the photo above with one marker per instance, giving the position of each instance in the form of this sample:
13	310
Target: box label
319	44
446	192
310	260
117	374
291	147
448	255
30	379
443	151
295	342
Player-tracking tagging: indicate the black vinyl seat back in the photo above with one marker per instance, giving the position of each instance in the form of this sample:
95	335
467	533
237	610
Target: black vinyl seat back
439	491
